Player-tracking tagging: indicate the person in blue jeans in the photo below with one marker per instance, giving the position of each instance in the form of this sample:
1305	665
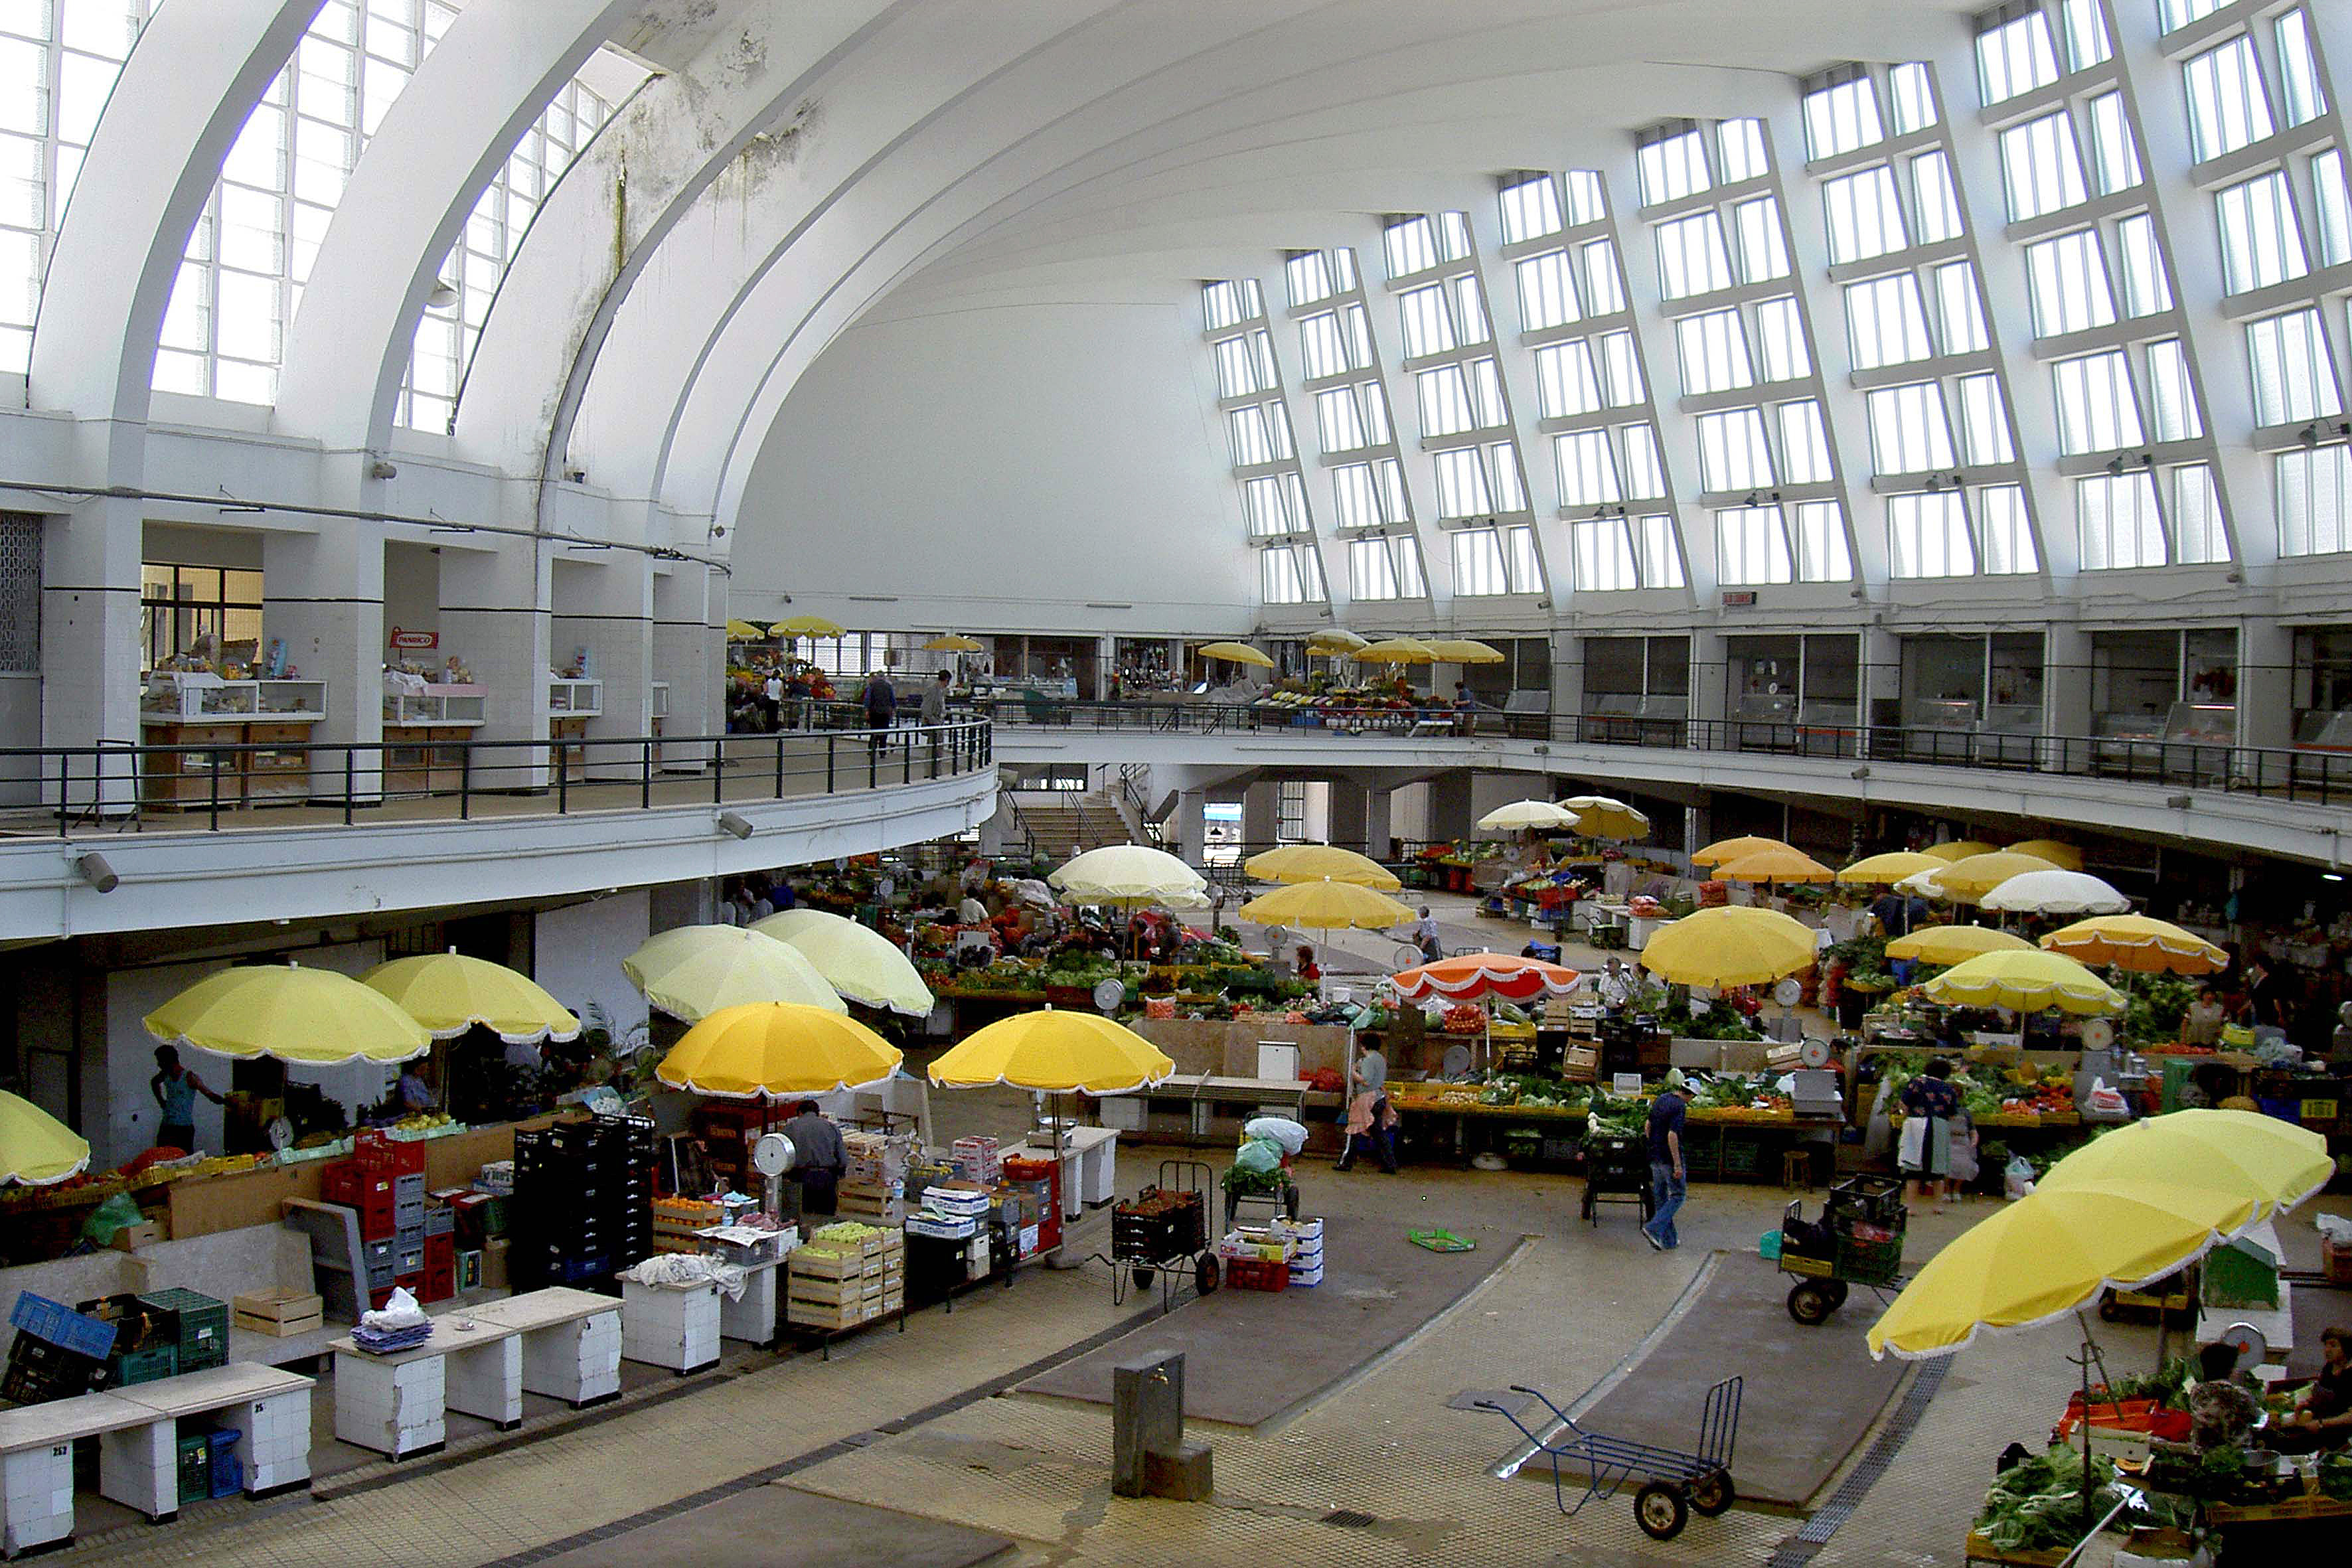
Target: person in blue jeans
1667	1172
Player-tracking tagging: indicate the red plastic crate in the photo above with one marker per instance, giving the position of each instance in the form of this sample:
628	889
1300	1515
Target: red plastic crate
1257	1274
373	1151
440	1252
440	1284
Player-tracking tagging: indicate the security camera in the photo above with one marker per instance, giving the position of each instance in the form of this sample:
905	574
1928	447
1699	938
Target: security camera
92	868
739	826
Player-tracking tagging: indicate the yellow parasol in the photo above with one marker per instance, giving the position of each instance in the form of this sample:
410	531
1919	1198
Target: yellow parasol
2050	893
2042	1258
2272	1164
1955	945
744	631
1524	814
1327	906
809	626
1318	863
1960	849
1724	849
292	1013
769	1050
1889	868
2065	857
2138	943
2025	982
855	960
1397	650
1599	816
1465	650
952	642
1970	879
36	1148
1128	874
450	994
1053	1052
1336	642
1775	866
1729	946
694	971
1235	653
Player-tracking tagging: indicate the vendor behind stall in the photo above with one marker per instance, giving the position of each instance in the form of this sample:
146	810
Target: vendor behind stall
175	1090
2322	1418
819	1157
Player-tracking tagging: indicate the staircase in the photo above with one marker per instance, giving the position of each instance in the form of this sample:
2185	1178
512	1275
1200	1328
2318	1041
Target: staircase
1065	827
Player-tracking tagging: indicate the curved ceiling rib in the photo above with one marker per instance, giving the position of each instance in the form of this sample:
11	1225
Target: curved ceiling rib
186	90
439	145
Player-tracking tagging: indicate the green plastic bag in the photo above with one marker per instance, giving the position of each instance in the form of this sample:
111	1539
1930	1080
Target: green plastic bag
110	1217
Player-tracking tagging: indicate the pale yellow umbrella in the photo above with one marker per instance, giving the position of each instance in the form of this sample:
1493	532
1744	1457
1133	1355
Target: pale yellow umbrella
1970	879
449	994
2272	1162
36	1148
1320	862
809	626
1961	849
292	1013
695	971
1724	849
1524	814
1889	868
1729	946
1054	1051
1336	642
2141	943
2025	982
952	642
855	960
1599	817
2051	893
1235	653
1955	945
2065	857
1465	650
1397	650
1782	865
774	1050
1127	874
744	631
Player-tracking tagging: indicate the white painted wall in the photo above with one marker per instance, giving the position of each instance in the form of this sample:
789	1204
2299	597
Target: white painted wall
1000	469
130	1115
577	951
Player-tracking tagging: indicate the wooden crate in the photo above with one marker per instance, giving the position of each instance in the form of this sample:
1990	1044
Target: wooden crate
279	1313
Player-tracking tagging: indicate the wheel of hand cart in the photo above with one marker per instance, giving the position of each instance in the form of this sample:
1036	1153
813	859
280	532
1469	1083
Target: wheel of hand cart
1143	1276
2109	1307
1712	1493
1837	1289
1809	1304
1204	1274
1660	1511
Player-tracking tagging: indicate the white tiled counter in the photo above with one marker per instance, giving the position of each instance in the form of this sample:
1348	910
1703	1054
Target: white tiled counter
270	1408
37	1444
663	1326
570	1342
752	1315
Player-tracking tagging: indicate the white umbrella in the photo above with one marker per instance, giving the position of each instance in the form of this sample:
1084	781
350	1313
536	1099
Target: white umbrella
2054	893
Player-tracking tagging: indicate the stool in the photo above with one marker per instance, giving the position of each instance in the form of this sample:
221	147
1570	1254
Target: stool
1797	1169
1257	1208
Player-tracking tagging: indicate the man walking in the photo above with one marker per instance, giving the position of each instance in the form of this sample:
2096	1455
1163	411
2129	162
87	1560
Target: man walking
1424	932
1667	1183
881	700
934	710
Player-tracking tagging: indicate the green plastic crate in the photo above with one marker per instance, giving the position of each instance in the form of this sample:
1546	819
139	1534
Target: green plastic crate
196	1324
195	1468
143	1366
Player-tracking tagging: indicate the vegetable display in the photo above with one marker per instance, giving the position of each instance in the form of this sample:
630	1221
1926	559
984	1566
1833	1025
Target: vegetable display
2036	1504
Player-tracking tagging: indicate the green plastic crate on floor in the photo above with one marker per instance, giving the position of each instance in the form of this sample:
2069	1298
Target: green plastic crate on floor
1741	1156
195	1468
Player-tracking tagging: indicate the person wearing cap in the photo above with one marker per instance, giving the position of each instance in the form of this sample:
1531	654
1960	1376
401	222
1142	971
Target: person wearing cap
1667	1172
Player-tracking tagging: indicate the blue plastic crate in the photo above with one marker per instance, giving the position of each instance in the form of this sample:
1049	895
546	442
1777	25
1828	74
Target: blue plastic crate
62	1326
228	1471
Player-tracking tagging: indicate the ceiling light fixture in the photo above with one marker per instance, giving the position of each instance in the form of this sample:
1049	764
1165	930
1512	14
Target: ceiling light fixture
443	294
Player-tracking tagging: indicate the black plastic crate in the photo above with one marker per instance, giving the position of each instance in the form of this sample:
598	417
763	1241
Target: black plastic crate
1877	1199
39	1372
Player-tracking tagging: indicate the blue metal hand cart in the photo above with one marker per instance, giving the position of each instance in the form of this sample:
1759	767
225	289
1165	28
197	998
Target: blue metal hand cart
1674	1483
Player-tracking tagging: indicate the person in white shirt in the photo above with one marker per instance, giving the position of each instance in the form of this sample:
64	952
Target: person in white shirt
1613	986
971	911
1424	932
773	693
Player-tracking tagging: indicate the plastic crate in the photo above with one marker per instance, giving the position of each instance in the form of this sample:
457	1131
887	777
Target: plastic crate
373	1151
1876	1199
1869	1262
197	1323
125	1368
228	1470
63	1327
39	1372
1248	1274
195	1468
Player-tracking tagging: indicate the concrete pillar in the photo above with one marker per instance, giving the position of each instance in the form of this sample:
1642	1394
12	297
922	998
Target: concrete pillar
89	646
1567	674
1191	826
2265	683
1377	832
689	658
494	617
1449	807
605	606
2065	693
1349	801
1261	814
1698	824
1881	679
1709	693
322	598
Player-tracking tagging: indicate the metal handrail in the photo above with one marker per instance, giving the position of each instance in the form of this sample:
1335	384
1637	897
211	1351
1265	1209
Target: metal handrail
2295	774
118	784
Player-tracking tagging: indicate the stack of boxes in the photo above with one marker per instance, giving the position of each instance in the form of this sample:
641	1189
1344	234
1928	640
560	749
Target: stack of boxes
680	1222
1042	1180
951	1210
1254	1259
976	1159
583	1203
1307	1255
847	1274
874	1177
383	1182
195	1326
728	1132
55	1354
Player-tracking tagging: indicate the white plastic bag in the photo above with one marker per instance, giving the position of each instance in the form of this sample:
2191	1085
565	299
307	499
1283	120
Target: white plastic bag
1911	1154
1279	1129
399	1311
2105	1101
2018	1180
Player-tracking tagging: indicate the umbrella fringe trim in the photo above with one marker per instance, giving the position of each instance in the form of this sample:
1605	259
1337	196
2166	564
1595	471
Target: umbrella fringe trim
1880	1351
25	1181
1033	1089
196	1045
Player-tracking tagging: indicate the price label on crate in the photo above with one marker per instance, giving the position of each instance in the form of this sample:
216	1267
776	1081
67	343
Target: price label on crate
1625	1083
2319	1111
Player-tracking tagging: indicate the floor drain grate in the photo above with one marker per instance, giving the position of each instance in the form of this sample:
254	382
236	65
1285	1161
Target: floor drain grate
1348	1518
1816	1531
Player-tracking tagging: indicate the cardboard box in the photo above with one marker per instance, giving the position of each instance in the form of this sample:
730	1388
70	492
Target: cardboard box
146	1233
494	1263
